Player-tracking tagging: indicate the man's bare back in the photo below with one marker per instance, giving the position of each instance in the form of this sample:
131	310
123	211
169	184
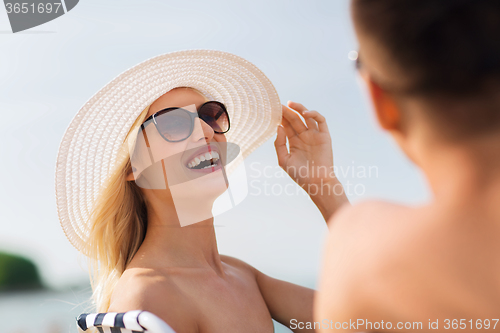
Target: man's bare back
390	263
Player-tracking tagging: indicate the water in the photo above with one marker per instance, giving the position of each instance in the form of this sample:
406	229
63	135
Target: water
50	311
42	311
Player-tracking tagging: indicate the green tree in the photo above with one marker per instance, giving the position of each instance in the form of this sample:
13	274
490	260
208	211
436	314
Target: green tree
18	273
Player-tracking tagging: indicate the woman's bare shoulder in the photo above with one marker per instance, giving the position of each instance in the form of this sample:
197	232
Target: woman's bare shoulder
239	265
150	290
135	286
234	262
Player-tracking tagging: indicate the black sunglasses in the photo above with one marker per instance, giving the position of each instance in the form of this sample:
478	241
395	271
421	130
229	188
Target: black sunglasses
177	124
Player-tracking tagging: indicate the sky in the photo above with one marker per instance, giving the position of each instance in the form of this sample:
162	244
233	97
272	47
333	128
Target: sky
48	72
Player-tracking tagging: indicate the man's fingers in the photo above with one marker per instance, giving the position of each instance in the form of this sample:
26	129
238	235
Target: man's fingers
320	120
280	145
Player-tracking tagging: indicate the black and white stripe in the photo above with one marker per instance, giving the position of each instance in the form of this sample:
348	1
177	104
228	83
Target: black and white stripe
126	322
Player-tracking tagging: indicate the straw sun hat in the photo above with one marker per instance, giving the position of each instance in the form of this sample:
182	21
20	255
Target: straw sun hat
92	142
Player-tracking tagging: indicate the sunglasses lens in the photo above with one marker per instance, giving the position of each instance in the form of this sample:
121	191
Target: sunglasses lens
215	115
174	124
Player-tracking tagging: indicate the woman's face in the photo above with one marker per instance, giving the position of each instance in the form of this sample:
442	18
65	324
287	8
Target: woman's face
186	170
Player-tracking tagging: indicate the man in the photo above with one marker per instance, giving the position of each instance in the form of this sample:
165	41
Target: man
433	71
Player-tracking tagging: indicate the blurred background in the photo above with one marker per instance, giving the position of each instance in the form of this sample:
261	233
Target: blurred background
48	72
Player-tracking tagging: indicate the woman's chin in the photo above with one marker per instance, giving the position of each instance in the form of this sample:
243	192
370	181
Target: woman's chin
194	200
201	190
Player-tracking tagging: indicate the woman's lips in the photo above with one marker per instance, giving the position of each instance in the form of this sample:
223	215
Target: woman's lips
214	167
205	160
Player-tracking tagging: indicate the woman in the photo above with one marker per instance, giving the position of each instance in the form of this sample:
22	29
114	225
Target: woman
152	242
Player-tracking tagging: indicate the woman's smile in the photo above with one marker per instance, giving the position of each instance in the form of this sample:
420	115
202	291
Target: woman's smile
205	159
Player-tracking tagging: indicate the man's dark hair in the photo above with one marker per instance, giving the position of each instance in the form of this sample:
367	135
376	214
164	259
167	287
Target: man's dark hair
449	48
452	45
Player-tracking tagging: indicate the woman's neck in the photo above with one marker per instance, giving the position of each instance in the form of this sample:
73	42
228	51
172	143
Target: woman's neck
169	244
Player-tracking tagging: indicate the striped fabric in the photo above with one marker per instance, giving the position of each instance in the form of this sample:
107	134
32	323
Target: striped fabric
126	322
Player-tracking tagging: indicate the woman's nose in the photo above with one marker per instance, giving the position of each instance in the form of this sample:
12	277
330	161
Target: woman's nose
202	130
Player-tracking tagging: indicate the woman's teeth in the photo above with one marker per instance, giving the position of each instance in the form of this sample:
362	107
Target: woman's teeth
206	160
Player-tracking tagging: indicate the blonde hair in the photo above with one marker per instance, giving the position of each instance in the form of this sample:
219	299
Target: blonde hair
118	226
118	223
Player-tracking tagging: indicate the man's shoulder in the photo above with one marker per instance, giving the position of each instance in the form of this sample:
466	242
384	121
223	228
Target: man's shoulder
371	222
367	238
376	253
393	231
379	233
368	210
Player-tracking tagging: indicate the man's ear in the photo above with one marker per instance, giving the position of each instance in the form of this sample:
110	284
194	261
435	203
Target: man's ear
386	109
